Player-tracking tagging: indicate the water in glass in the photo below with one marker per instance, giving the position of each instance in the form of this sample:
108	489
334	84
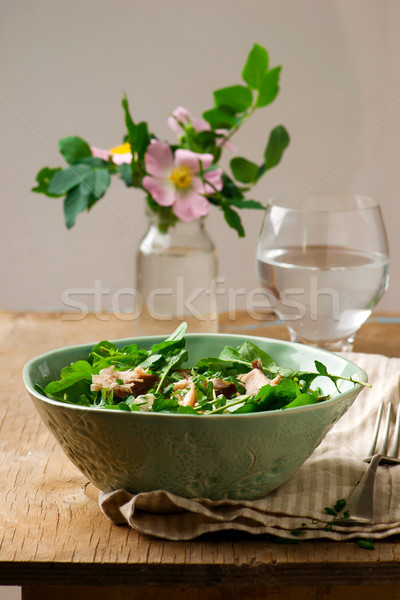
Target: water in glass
324	265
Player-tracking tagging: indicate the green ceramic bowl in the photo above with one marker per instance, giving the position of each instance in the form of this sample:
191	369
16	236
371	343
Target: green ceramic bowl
216	456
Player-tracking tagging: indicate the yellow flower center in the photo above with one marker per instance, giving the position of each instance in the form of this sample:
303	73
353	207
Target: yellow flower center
181	177
122	149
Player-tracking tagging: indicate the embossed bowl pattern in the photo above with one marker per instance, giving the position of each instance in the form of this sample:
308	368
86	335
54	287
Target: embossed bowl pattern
217	456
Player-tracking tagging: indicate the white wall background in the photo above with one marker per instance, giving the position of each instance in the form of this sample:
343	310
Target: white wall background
65	66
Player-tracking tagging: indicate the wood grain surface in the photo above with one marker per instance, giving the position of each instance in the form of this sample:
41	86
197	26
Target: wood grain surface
52	532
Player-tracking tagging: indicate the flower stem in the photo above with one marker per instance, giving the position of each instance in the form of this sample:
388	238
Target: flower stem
243	120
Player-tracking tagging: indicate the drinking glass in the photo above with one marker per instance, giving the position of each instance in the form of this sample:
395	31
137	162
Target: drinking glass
323	261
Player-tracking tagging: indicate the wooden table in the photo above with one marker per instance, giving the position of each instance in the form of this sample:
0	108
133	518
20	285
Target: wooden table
53	535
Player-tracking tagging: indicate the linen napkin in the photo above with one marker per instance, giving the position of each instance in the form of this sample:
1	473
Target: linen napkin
296	508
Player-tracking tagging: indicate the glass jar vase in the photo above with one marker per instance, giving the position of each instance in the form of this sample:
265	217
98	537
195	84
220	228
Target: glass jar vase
176	271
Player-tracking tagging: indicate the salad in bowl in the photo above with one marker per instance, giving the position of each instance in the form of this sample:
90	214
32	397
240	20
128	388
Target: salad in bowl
239	380
198	415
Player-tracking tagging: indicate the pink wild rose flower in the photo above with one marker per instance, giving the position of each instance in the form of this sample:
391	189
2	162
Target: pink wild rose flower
181	117
119	155
173	180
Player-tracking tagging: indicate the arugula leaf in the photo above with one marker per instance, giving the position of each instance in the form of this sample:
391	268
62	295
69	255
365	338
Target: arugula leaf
173	360
340	505
303	400
243	356
273	397
286	394
322	370
251	353
175	340
186	410
161	404
42	391
366	544
102	349
69	375
151	361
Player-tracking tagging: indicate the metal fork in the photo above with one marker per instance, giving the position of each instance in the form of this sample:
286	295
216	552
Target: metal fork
360	503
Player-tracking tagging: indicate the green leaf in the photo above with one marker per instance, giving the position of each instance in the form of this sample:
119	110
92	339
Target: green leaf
138	135
65	180
70	375
96	184
73	148
186	410
243	170
255	67
84	185
253	204
269	87
233	219
330	511
174	341
104	349
130	125
220	118
232	355
250	352
321	368
92	161
123	406
151	361
277	143
75	202
141	140
173	361
39	389
230	189
275	397
43	179
202	141
237	97
340	504
366	544
161	404
126	175
303	400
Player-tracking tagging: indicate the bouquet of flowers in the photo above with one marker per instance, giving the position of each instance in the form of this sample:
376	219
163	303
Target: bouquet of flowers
183	179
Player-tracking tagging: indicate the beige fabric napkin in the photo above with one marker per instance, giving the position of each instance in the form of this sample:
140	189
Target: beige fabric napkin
331	473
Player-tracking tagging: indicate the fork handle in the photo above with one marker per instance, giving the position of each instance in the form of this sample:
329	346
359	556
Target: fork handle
361	502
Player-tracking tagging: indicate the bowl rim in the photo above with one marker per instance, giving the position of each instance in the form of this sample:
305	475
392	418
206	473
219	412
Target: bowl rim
336	398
